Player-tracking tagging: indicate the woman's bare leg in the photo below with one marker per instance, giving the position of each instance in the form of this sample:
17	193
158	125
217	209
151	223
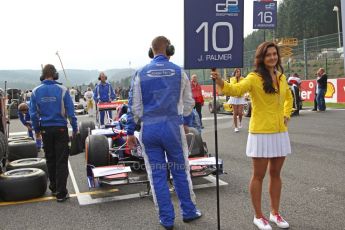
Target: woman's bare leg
255	186
275	185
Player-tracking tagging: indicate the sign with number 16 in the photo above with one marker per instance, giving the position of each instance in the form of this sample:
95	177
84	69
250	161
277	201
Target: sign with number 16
265	15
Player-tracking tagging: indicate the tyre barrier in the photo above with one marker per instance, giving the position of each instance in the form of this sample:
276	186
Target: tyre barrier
38	163
22	149
22	184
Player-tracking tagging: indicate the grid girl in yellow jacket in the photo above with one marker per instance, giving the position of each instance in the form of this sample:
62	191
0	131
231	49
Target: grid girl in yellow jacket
268	141
237	102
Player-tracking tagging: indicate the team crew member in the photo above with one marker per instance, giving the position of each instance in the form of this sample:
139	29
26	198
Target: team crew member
24	117
103	92
237	102
268	140
50	107
160	97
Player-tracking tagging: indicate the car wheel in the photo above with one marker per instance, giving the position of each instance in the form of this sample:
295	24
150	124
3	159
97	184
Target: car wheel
97	150
22	149
84	127
38	163
22	184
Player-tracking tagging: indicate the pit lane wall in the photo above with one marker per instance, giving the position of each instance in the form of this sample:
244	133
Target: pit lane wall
335	90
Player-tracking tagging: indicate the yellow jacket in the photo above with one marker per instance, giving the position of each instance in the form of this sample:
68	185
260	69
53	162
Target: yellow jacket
268	110
234	81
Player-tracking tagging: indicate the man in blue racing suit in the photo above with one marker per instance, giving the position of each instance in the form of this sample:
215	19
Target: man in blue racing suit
50	107
103	92
161	97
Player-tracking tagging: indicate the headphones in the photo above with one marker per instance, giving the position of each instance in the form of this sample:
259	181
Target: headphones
54	72
99	77
170	51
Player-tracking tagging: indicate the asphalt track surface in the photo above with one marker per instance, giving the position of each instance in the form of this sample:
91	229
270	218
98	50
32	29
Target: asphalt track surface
313	196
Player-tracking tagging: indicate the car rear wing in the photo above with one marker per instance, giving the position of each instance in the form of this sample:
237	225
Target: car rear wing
113	105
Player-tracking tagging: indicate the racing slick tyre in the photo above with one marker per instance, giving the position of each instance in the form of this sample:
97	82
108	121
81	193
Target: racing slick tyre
198	146
22	184
37	163
84	130
247	109
97	150
22	149
3	150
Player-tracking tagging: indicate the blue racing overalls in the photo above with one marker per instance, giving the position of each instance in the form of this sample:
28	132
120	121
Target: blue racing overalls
103	93
160	97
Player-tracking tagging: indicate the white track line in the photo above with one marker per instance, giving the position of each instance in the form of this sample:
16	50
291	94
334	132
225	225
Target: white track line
74	182
75	185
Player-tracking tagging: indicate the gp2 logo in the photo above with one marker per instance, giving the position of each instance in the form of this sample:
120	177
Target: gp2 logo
230	6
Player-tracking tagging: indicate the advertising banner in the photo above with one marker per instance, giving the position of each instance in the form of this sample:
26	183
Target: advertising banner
335	90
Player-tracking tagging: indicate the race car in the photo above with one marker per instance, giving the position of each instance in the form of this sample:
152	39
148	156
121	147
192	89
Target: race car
111	162
226	108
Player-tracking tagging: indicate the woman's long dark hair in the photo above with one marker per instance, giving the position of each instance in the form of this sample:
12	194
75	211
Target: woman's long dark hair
260	66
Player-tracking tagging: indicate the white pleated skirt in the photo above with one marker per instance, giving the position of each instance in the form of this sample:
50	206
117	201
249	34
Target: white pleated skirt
236	101
268	145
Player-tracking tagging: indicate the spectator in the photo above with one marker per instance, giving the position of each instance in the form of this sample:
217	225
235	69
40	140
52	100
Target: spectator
197	95
50	107
268	139
160	99
321	89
